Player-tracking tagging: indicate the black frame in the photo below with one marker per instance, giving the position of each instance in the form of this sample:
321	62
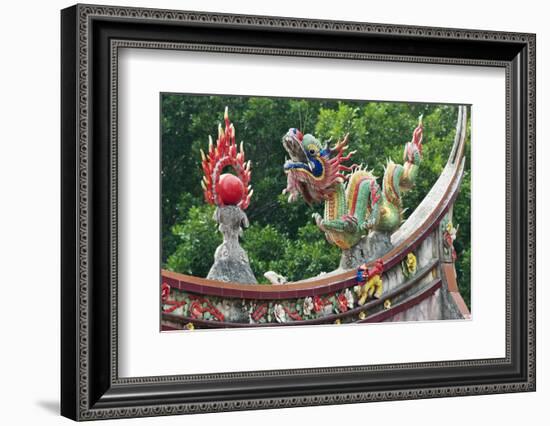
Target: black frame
90	386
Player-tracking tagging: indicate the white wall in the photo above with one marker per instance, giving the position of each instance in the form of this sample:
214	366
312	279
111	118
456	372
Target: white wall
29	217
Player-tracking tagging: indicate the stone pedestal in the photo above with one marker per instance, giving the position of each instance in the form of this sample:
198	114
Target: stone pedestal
230	260
371	247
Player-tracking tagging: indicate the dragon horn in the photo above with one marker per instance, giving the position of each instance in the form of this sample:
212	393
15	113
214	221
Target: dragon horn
347	157
420	119
203	157
341	144
345	141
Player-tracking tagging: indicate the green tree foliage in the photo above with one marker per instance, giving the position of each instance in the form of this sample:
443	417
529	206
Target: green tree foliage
305	255
197	240
282	236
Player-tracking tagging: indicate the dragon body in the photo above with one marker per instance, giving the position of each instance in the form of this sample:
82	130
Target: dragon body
354	202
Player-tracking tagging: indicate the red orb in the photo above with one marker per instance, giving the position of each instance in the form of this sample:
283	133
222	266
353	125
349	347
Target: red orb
230	189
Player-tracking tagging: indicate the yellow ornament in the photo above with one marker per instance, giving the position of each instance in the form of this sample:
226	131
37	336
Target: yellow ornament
372	288
411	263
362	315
387	304
190	326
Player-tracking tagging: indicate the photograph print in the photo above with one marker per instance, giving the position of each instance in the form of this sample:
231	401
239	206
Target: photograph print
299	212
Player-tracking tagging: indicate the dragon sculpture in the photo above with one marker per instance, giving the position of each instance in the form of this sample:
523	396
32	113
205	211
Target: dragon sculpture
354	203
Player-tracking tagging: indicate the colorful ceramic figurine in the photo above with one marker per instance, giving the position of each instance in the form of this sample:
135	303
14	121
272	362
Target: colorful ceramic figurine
449	237
369	282
354	202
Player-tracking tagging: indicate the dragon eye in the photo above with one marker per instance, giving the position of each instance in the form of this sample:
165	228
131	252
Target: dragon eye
312	149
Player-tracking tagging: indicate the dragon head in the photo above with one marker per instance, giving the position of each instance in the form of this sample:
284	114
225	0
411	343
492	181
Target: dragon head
314	170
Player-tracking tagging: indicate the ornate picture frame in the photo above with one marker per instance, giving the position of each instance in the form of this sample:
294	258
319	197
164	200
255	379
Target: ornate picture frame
91	387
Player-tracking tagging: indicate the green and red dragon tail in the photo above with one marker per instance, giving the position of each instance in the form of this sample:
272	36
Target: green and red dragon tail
399	179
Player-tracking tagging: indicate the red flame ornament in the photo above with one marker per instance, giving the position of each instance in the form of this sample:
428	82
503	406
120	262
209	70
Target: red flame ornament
221	188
